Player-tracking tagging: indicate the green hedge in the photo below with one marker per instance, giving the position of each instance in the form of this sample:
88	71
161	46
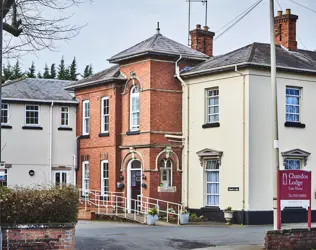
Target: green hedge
45	205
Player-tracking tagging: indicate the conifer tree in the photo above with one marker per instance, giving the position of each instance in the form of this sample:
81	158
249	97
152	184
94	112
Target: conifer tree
31	72
87	71
46	74
62	70
39	75
16	71
7	72
73	70
53	73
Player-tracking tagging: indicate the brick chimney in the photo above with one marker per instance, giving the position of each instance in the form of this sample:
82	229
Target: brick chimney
285	30
202	40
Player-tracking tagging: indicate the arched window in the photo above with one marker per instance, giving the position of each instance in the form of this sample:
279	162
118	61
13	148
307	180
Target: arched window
134	108
166	173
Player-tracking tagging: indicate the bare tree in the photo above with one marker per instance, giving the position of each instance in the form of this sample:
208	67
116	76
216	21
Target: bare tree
32	25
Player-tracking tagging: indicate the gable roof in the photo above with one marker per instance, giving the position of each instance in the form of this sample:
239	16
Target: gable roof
258	55
158	45
110	74
37	90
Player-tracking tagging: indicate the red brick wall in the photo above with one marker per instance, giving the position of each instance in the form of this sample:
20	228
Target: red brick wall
291	239
39	238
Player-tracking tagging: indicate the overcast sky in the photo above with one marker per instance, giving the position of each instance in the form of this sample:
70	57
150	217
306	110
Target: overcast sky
113	26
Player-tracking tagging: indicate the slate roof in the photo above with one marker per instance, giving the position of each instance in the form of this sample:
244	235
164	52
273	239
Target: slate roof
110	74
158	45
34	89
258	55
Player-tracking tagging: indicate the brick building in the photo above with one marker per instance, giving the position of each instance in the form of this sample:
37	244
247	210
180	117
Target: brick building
125	113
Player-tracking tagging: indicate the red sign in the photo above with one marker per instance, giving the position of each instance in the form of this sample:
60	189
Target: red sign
294	185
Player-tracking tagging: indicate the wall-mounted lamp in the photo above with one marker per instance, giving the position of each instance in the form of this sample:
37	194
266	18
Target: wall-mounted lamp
31	172
144	185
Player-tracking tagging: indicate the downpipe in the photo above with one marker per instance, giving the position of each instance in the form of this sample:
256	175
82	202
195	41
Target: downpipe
51	142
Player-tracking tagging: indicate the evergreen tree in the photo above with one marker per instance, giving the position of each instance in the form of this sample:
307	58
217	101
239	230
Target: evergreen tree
16	71
46	74
90	70
39	75
87	71
62	70
7	72
31	72
73	70
67	74
53	73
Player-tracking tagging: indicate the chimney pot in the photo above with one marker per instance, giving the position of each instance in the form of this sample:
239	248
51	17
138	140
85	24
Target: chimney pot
198	26
280	12
206	28
288	11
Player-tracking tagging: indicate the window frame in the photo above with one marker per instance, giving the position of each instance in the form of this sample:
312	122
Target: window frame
84	118
168	172
211	182
208	106
103	193
293	105
84	190
103	114
38	111
61	112
133	95
8	113
61	172
6	177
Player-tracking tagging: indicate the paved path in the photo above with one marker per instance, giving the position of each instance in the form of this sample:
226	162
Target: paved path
127	236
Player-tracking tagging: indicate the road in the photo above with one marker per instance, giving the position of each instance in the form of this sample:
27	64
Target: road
96	235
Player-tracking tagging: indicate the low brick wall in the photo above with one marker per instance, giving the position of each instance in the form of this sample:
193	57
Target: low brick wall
291	239
86	215
36	237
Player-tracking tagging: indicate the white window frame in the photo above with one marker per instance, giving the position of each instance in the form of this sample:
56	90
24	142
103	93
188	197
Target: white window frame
169	172
8	113
38	111
293	105
105	114
103	163
85	191
134	127
61	115
208	106
212	182
299	160
85	119
6	177
61	172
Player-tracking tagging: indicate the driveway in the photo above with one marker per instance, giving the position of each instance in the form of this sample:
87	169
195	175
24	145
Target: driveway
96	235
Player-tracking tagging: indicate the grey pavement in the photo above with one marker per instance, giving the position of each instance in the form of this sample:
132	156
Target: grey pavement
97	235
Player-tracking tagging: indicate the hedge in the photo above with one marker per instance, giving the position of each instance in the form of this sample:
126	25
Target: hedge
36	206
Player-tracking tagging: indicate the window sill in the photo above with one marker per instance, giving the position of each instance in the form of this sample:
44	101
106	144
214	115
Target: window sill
210	208
85	137
6	126
133	132
65	128
211	125
167	189
294	125
104	134
32	127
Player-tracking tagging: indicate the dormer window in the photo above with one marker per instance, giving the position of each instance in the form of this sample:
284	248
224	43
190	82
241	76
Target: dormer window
134	109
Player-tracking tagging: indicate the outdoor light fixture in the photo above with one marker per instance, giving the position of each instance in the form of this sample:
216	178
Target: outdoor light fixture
31	172
144	185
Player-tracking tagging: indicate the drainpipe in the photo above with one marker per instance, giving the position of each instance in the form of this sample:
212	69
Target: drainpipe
77	162
243	142
50	141
185	125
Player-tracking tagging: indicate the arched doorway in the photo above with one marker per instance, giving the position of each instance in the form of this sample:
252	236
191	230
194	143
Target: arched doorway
134	183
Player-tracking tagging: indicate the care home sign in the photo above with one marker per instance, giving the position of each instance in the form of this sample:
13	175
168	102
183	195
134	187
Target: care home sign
294	190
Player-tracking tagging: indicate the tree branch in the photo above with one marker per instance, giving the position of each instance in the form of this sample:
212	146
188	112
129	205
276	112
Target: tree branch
12	30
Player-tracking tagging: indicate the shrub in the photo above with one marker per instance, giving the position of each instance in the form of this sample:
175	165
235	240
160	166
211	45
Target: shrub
153	211
31	206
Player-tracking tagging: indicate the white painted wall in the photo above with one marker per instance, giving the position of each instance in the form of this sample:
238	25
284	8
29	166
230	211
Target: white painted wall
227	138
261	171
29	149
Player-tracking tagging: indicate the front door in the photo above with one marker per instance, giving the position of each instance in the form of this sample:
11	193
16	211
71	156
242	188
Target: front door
135	186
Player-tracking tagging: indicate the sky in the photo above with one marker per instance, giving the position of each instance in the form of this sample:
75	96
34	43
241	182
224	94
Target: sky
112	26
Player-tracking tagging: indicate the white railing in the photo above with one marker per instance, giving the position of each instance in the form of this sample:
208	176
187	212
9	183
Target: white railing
117	203
165	207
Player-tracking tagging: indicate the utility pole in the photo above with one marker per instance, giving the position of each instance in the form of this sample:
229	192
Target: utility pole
275	150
